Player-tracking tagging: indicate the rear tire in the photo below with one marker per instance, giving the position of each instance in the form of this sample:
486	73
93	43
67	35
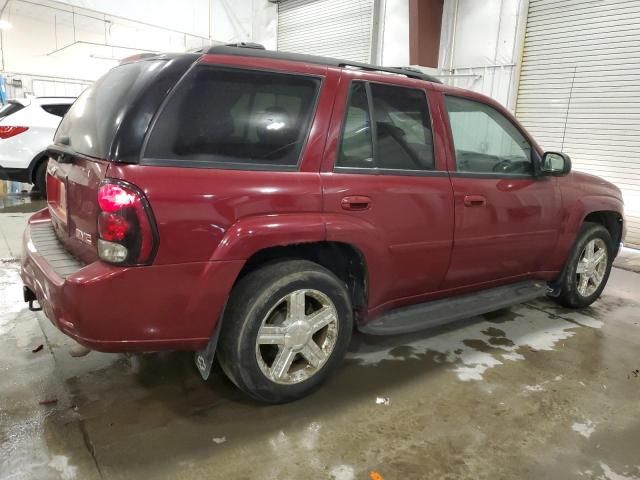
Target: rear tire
40	178
285	329
588	267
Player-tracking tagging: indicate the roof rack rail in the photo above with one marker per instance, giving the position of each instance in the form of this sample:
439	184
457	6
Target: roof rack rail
250	45
256	50
406	71
136	57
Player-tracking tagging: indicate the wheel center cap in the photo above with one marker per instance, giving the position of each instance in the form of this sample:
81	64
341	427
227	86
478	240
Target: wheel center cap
298	335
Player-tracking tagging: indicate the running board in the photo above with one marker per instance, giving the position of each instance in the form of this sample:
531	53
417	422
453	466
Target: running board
438	312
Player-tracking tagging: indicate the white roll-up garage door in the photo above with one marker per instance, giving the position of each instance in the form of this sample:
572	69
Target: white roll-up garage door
331	28
579	89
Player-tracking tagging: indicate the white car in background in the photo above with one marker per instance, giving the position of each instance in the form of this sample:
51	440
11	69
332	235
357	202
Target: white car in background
27	126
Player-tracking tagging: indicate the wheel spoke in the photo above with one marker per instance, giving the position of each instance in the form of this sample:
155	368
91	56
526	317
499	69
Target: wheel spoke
296	305
313	353
597	277
271	335
582	267
590	250
599	256
321	318
282	363
584	282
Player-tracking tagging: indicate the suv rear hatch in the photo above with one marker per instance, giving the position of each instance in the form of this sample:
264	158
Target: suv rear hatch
107	123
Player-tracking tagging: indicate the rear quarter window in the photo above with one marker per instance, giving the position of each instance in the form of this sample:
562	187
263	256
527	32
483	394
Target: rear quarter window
10	108
234	118
56	109
91	122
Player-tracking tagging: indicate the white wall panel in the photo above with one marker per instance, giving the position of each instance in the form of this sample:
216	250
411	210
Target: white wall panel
479	46
579	89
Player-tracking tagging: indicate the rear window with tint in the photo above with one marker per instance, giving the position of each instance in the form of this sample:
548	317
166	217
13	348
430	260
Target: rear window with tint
92	121
9	108
231	118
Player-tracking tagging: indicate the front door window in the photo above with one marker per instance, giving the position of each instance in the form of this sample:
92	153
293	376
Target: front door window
485	141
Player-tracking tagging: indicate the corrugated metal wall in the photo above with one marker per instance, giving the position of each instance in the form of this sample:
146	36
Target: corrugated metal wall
579	89
332	28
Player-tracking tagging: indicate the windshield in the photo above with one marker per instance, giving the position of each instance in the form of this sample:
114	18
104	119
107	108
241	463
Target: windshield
92	121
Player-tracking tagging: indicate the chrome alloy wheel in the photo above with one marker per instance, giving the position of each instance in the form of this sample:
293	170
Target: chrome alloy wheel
297	336
592	267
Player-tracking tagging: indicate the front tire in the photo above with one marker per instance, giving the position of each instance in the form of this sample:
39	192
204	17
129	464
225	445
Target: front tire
588	267
286	327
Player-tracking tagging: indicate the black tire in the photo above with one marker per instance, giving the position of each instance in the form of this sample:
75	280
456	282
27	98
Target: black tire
250	302
40	178
569	294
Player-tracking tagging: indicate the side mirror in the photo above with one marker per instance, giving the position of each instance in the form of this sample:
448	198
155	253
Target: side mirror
555	164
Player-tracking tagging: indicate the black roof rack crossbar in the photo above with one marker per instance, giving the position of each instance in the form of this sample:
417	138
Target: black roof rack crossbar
257	50
252	45
406	71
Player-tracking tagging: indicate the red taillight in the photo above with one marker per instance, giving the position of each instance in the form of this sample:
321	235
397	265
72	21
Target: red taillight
112	227
7	132
113	197
126	229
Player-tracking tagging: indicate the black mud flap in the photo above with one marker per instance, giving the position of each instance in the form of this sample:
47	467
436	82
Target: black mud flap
204	358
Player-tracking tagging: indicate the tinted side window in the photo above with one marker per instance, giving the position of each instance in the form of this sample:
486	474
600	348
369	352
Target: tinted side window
486	141
234	118
57	110
356	146
404	140
402	128
10	108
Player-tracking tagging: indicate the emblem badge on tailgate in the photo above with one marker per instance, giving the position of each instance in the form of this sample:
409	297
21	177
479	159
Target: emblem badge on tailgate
84	237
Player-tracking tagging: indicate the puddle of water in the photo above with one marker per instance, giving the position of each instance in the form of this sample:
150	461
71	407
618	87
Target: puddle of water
484	344
21	203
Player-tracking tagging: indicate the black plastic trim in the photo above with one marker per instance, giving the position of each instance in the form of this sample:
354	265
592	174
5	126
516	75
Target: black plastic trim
391	171
521	176
213	165
435	313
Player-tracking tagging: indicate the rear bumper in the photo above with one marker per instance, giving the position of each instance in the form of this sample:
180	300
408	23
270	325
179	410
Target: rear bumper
115	309
15	174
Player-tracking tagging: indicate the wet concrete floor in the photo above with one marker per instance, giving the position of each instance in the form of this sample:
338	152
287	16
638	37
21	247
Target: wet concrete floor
534	392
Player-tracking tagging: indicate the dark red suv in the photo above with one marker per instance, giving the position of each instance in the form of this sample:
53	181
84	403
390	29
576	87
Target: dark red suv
264	204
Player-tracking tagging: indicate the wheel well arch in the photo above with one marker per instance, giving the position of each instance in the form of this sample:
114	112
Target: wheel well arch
610	220
33	166
344	260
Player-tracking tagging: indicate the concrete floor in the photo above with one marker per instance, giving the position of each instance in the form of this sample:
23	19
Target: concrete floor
532	392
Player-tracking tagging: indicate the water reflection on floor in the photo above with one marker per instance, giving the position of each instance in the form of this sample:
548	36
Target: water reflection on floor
21	202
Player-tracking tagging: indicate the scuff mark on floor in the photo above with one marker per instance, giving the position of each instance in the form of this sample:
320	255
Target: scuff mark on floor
609	474
342	472
585	429
60	464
